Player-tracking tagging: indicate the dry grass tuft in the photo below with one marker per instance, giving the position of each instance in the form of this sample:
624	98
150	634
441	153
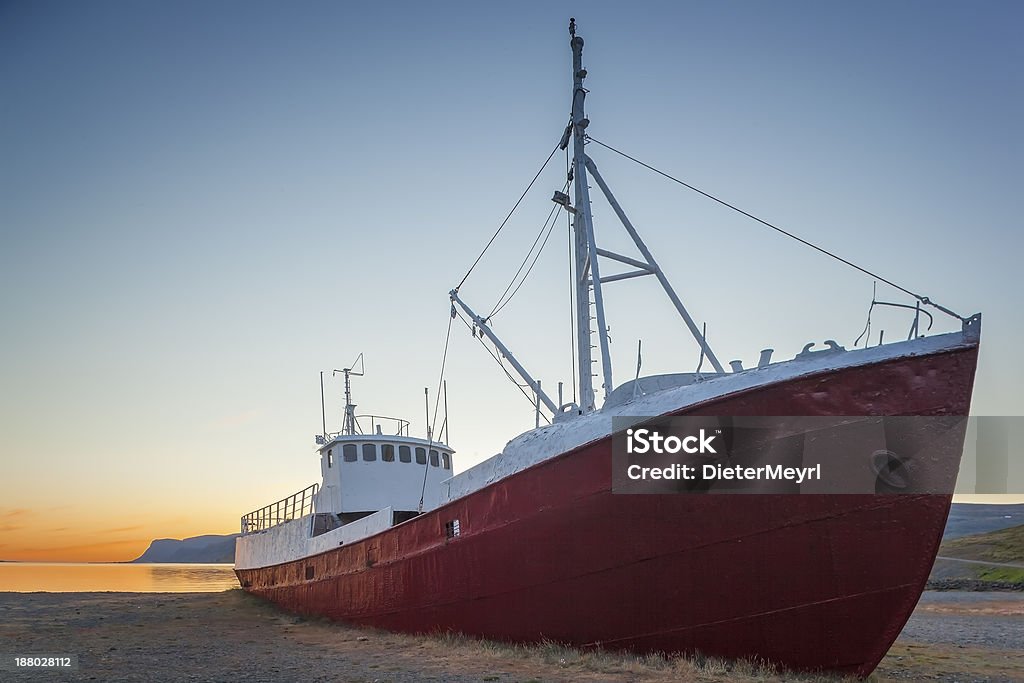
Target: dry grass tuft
564	662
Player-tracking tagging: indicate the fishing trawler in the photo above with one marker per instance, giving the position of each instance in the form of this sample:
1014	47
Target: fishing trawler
536	543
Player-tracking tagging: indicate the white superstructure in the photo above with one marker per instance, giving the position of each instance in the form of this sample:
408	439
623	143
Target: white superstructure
364	473
373	475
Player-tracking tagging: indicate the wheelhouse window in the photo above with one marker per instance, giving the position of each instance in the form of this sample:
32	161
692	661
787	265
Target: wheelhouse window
447	460
421	456
369	452
404	454
433	458
350	453
387	452
330	458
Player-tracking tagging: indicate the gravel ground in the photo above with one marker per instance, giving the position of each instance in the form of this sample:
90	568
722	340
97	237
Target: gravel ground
201	637
233	637
991	620
960	636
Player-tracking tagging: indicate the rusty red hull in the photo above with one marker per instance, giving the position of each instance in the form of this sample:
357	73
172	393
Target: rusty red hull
805	581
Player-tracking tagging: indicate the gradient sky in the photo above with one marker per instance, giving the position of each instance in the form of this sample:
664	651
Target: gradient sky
203	205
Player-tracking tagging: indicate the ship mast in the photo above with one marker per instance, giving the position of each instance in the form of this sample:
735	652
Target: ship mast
588	275
588	280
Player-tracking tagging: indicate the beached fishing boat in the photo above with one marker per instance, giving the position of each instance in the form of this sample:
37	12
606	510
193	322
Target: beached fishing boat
538	542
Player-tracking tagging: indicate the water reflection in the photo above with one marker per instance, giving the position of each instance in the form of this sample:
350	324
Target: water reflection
27	577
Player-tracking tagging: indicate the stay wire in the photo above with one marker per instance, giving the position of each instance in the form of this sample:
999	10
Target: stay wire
545	231
433	422
501	365
923	299
495	235
867	324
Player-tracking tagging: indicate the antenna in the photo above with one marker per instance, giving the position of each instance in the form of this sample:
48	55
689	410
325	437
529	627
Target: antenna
639	362
447	437
323	406
426	408
350	426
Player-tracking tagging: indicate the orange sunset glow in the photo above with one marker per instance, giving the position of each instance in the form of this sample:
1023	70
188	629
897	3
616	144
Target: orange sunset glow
55	535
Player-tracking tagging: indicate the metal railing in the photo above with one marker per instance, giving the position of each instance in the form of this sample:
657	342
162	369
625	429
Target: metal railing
392	426
400	426
286	509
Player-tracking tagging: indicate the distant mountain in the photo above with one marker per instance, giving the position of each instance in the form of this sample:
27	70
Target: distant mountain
209	548
970	518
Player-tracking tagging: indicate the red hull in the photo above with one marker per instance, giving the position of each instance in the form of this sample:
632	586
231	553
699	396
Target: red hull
806	581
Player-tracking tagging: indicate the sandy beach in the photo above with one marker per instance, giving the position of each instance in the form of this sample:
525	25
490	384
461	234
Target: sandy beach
231	636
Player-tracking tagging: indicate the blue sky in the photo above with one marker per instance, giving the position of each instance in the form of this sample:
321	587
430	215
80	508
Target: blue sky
202	205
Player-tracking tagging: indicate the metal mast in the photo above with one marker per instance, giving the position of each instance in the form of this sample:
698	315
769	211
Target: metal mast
587	269
349	425
588	276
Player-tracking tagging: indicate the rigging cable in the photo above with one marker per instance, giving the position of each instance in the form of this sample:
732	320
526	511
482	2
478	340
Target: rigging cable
433	423
501	365
501	304
923	299
495	235
867	325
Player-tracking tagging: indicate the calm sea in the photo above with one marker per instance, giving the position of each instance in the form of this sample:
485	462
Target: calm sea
54	577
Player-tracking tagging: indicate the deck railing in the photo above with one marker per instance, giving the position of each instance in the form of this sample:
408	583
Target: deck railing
392	426
292	507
